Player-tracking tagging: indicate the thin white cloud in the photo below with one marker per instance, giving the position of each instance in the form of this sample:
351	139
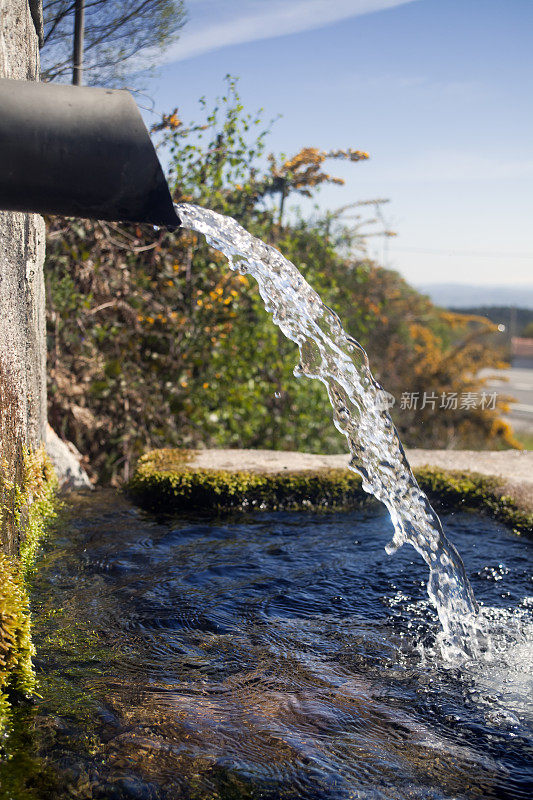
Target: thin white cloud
214	24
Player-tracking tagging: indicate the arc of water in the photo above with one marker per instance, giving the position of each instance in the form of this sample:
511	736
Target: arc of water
330	355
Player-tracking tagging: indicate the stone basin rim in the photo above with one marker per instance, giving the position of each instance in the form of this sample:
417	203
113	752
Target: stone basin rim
498	483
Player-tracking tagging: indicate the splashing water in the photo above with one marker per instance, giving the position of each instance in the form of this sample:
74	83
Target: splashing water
329	354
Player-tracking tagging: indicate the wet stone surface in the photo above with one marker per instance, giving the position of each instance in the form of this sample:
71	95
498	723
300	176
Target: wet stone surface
267	656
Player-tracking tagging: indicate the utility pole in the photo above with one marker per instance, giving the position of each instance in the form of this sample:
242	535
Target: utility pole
79	33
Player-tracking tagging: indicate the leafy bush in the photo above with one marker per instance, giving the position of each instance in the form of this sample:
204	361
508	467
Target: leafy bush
153	342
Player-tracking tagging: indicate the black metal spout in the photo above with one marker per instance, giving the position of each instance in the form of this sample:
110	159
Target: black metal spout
79	152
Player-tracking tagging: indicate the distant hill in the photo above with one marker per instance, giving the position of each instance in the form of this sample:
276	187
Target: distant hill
459	295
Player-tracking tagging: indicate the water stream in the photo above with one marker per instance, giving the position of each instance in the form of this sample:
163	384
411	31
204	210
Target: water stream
330	355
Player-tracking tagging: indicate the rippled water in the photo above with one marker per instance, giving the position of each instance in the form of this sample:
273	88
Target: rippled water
268	656
329	354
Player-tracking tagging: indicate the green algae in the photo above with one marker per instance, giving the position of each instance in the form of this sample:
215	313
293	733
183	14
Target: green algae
16	649
30	508
170	485
165	481
470	490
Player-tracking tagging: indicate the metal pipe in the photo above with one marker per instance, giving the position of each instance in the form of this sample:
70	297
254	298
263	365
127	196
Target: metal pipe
79	152
79	35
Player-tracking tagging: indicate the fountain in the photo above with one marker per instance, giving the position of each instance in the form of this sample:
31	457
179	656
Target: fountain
330	355
193	657
86	152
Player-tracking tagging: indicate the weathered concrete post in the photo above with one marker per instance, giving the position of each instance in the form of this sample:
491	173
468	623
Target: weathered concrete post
22	314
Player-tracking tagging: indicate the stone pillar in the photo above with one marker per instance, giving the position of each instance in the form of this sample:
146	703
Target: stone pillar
22	313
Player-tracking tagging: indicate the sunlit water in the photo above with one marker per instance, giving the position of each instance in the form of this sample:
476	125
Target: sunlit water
267	656
329	354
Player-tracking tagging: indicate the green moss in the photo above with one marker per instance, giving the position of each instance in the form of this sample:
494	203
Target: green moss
36	503
15	643
32	507
167	459
163	481
473	491
158	485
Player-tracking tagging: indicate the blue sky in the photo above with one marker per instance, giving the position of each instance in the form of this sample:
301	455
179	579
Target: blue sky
437	91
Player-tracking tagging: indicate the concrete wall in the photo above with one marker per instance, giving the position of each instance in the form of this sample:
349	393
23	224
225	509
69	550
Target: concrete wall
22	316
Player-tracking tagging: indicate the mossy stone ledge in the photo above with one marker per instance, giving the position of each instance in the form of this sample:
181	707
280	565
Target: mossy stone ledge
173	481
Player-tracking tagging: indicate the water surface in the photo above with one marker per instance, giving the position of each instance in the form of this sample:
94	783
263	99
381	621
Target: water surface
268	656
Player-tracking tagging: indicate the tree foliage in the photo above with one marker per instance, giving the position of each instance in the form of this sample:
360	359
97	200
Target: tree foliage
154	342
119	37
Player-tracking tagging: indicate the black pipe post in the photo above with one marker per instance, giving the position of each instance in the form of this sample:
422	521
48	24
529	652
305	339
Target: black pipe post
79	34
79	152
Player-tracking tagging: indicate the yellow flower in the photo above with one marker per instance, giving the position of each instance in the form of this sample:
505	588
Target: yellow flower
205	386
173	121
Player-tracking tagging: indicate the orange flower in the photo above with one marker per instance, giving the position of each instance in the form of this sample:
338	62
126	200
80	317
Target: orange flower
173	120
